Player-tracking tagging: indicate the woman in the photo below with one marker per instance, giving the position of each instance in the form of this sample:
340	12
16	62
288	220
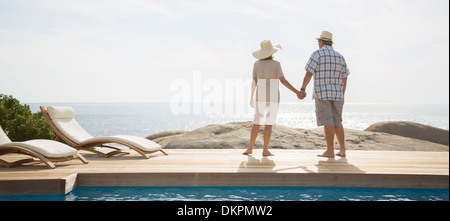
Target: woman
266	74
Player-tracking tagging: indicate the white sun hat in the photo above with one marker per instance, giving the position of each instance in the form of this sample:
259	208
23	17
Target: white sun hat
267	49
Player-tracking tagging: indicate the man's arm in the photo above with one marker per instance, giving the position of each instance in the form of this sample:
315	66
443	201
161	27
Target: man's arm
344	87
306	81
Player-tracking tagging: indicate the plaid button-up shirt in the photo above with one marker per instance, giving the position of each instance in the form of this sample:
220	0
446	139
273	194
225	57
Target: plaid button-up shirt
328	68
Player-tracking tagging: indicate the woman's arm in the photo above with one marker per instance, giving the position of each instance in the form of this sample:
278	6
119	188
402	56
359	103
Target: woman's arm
288	85
252	100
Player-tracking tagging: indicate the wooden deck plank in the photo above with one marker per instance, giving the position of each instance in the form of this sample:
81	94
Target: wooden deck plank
229	166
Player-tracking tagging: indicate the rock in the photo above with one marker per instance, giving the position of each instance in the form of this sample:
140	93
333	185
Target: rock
166	134
236	135
163	138
412	130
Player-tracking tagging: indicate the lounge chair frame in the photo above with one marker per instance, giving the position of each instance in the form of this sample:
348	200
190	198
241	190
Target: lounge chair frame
10	148
89	146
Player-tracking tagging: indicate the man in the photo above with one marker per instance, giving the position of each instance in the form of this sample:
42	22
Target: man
330	81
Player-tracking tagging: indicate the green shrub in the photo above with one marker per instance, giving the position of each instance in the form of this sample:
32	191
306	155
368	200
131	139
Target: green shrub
19	123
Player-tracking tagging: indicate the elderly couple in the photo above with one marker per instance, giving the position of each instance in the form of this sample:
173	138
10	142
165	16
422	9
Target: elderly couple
330	79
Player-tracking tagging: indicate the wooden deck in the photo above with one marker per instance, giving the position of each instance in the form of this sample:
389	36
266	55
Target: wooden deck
228	167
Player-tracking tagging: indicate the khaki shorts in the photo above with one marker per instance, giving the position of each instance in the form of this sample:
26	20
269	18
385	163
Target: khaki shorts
329	112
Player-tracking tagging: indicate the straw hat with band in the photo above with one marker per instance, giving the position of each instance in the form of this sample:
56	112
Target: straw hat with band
326	36
267	50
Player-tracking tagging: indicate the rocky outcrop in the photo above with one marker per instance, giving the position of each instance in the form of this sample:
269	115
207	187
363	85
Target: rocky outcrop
236	135
412	130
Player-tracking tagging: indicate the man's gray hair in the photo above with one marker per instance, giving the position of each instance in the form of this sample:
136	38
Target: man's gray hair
329	43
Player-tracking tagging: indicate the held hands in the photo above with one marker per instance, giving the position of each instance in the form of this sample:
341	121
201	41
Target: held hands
301	94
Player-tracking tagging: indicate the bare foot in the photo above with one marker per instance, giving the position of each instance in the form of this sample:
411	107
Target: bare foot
267	154
247	152
341	154
326	154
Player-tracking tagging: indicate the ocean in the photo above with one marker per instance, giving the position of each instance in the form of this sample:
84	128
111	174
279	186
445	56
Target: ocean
143	119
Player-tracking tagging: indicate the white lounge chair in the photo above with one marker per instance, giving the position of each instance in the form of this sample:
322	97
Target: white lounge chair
62	122
48	151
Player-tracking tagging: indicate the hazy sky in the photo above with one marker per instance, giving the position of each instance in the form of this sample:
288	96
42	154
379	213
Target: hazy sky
134	50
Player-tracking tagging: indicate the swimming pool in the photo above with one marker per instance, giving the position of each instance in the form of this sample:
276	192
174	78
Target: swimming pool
239	194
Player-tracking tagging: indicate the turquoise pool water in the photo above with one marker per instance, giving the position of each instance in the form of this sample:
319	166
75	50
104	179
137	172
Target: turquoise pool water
239	194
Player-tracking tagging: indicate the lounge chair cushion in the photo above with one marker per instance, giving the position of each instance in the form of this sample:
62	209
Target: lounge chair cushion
61	112
48	148
71	129
63	118
3	137
139	142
